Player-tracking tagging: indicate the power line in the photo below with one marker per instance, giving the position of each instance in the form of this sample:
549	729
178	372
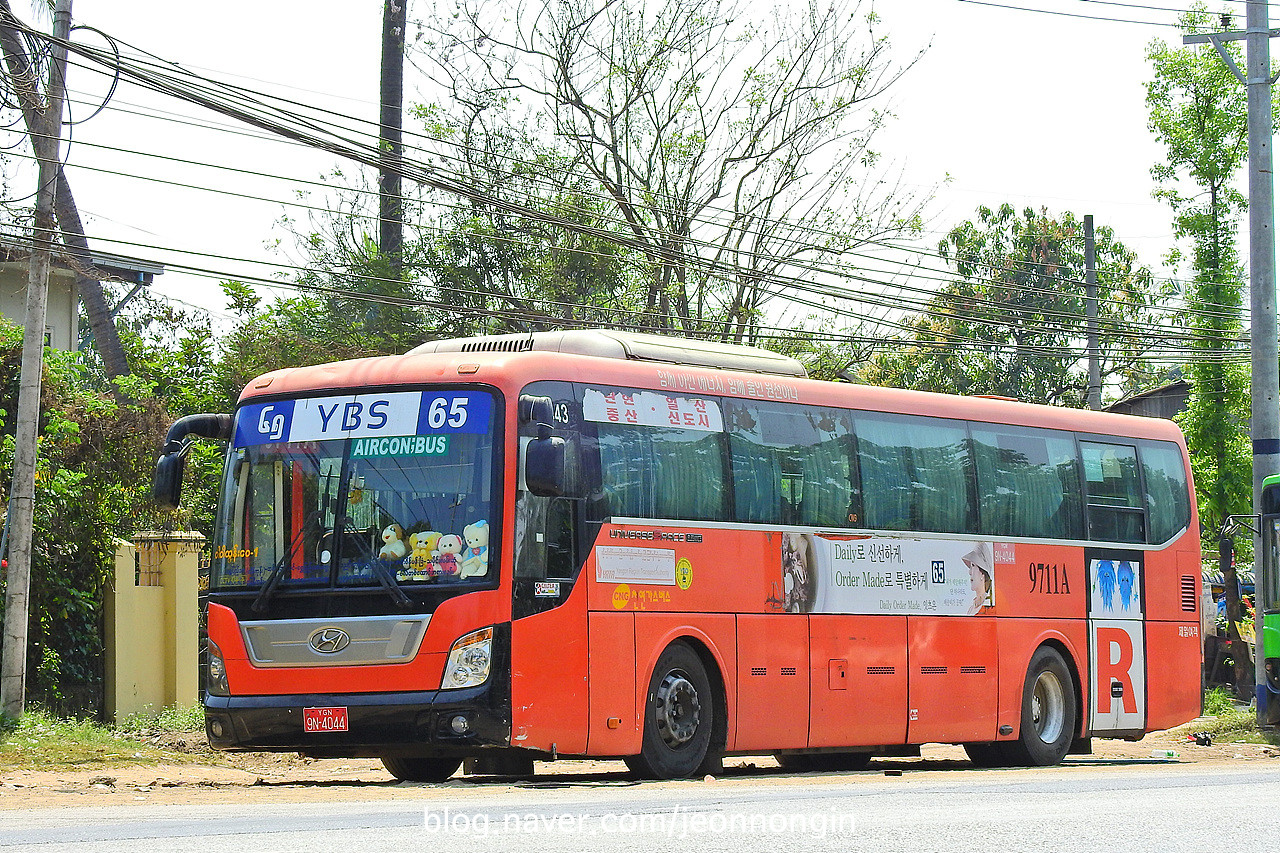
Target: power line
945	275
209	100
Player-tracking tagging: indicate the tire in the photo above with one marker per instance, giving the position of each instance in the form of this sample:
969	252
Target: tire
418	768
679	715
823	762
1049	713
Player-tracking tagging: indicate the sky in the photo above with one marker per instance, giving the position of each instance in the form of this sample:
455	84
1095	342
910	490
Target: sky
1003	105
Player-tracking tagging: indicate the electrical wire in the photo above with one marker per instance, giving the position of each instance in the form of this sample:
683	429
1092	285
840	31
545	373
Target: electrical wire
946	274
516	210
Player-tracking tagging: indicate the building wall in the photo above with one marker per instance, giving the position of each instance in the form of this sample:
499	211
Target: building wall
1164	402
62	316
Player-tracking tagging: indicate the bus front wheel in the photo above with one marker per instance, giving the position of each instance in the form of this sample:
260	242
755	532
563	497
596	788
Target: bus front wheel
1048	712
419	768
679	715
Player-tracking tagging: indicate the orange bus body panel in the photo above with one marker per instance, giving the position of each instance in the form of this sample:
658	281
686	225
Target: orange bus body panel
1173	657
453	619
857	680
612	684
1018	640
951	688
773	682
549	666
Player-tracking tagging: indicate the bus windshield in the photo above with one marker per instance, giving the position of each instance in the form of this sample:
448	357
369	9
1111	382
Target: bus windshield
394	499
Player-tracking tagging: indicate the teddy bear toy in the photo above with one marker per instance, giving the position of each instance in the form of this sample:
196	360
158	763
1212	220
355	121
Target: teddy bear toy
475	559
448	548
393	547
418	563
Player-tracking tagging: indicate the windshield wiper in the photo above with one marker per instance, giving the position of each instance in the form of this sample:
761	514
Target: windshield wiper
269	588
388	581
272	582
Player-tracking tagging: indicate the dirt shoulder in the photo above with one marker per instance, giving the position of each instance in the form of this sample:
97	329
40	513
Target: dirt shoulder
198	776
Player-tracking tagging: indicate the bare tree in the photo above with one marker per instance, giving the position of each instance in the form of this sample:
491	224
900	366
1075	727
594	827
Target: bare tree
733	150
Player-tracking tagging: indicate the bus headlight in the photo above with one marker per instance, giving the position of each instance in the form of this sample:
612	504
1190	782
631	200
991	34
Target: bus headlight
469	660
216	683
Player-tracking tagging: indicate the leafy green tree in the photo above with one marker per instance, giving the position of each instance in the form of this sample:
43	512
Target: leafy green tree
88	491
1198	109
1012	322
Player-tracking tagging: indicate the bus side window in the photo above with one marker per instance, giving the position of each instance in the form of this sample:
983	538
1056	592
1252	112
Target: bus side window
1168	495
915	473
1028	482
1113	492
791	464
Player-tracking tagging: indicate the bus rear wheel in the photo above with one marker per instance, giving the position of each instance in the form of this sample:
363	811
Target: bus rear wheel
420	768
1049	711
679	714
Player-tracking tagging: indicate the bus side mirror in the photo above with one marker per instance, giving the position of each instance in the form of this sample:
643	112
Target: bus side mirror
166	484
545	468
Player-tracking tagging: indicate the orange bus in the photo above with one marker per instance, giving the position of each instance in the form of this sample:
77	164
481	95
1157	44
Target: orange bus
591	543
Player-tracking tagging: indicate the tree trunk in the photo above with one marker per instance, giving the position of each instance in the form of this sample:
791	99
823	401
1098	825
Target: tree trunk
88	284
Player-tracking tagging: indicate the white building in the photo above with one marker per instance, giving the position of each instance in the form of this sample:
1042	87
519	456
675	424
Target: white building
62	316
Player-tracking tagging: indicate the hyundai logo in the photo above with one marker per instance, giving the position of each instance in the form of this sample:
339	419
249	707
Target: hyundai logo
329	641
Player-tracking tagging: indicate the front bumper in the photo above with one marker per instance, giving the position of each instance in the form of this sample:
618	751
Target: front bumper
377	723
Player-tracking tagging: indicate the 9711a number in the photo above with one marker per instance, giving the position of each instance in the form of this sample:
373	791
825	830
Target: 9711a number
1049	579
447	411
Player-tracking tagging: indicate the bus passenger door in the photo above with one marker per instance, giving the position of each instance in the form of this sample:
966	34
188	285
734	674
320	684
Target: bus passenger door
549	629
857	680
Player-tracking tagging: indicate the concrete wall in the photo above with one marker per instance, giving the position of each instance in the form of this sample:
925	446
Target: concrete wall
152	625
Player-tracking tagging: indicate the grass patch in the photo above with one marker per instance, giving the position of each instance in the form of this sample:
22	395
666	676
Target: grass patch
40	741
1217	701
167	721
1231	722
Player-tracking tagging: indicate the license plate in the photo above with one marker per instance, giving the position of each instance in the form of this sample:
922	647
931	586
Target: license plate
324	719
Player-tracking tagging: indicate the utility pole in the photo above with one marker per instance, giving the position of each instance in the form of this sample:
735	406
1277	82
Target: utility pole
1264	337
1091	314
13	658
390	137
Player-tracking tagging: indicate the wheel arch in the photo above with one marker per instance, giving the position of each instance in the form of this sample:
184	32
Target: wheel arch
715	674
714	662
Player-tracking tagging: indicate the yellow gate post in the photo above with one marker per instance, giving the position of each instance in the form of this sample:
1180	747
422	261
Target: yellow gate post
152	624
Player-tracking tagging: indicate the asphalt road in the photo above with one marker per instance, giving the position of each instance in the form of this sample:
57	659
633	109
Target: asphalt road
1139	807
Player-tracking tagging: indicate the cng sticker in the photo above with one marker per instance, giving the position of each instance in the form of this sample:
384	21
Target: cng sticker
684	573
621	596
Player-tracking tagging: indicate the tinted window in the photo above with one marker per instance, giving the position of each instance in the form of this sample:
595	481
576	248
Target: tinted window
1113	492
915	474
791	464
1168	493
1028	482
660	456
